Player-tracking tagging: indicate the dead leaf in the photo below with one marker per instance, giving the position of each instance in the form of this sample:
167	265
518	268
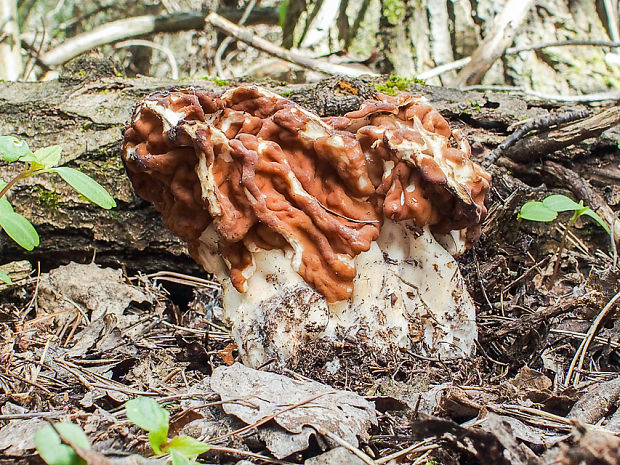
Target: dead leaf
99	291
497	446
591	447
17	437
529	379
597	402
227	354
337	456
320	407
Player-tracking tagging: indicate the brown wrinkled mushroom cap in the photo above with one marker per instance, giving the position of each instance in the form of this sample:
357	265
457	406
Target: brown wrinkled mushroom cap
270	174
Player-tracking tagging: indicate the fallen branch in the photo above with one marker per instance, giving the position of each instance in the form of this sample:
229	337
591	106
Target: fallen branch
505	26
138	26
246	36
117	31
534	124
458	64
536	145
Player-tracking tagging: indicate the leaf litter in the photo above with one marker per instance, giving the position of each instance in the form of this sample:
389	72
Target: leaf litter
78	342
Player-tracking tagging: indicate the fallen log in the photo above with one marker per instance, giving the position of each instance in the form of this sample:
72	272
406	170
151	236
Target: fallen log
87	117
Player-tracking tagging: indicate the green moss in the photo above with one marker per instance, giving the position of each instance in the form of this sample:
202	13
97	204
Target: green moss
47	199
396	84
86	126
394	11
216	81
475	104
286	93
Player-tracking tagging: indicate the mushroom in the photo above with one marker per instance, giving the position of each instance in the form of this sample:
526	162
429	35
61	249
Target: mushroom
317	229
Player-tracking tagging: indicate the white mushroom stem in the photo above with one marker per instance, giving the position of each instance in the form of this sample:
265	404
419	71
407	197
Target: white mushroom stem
408	294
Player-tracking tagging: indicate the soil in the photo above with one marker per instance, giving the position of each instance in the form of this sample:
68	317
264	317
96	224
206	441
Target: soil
542	385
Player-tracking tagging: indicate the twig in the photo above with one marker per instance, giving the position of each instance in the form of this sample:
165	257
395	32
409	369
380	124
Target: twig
505	26
423	446
227	40
580	354
520	278
594	97
352	220
613	237
611	11
535	146
38	367
174	69
34	295
139	26
350	447
246	36
458	64
269	418
545	122
565	43
249	454
26	416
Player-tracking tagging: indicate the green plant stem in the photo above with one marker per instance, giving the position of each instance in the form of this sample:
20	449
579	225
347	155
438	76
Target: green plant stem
23	175
556	266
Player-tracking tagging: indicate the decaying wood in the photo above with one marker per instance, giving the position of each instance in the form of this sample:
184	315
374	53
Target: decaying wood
527	126
536	145
87	118
505	27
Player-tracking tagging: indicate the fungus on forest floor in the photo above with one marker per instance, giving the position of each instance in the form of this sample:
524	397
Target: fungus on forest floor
317	227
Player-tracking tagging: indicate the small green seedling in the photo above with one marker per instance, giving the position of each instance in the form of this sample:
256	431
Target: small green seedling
44	160
53	451
146	413
548	210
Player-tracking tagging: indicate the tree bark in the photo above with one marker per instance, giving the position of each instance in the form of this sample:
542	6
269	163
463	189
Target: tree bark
87	118
412	37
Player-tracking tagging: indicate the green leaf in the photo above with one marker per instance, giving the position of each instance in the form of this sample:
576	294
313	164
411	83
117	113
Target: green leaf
536	211
187	445
157	440
53	451
12	149
19	229
561	203
5	205
47	157
146	413
86	186
592	214
5	277
73	433
178	458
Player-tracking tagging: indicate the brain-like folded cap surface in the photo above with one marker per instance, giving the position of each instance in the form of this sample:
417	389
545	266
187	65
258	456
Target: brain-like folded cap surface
270	174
